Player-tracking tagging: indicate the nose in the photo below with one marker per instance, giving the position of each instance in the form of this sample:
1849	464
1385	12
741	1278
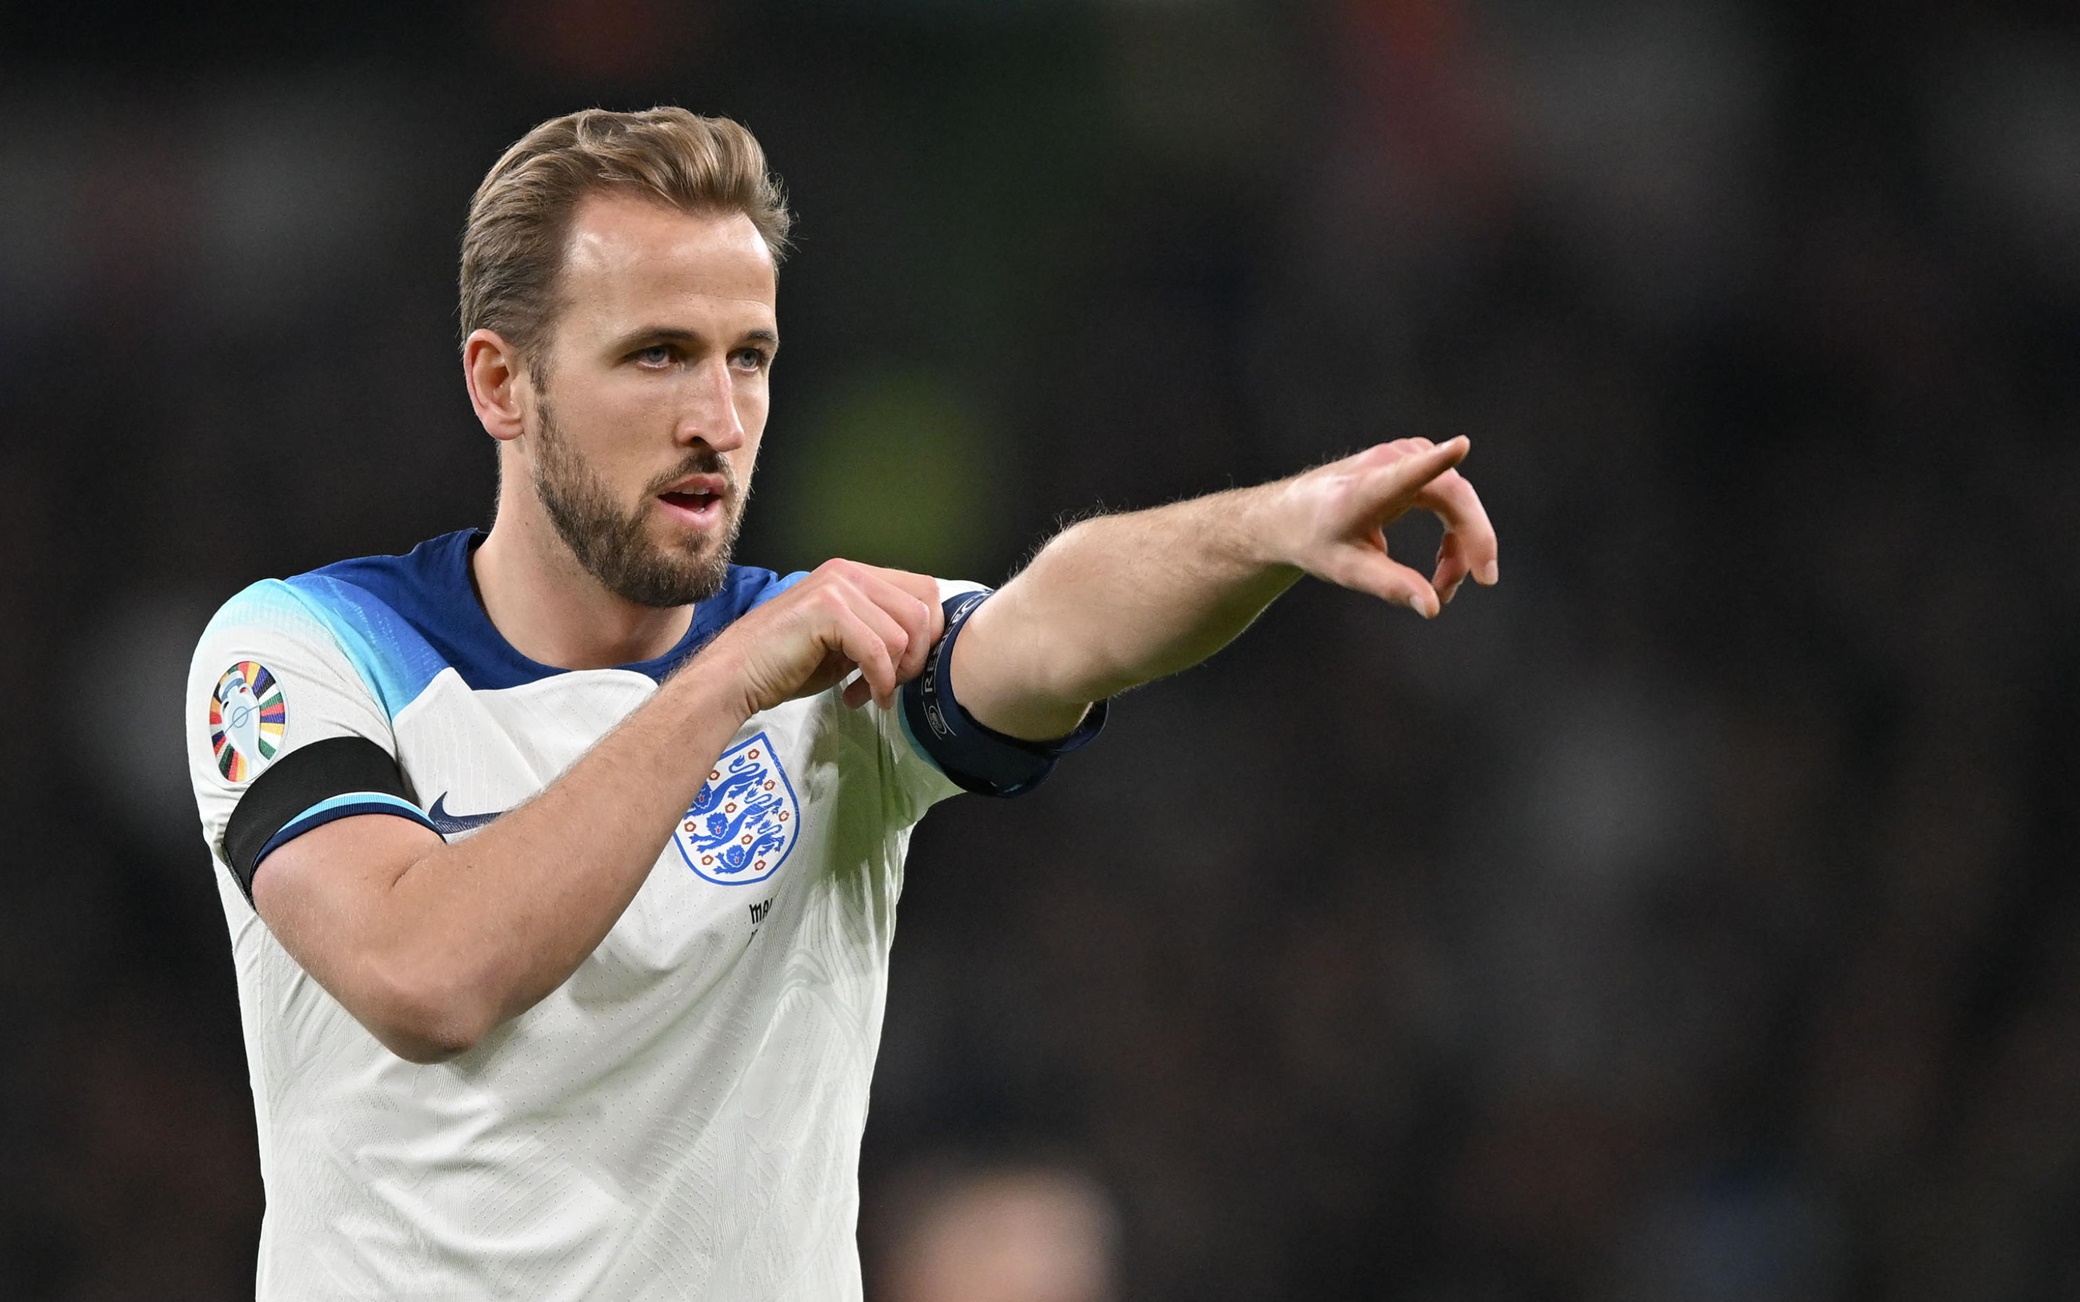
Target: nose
710	412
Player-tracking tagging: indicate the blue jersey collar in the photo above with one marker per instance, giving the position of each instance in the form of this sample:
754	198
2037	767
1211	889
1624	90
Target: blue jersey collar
429	589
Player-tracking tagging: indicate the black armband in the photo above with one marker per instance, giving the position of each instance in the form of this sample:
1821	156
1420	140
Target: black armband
978	758
309	787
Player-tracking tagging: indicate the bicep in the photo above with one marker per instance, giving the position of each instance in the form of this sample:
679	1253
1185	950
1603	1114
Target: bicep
989	751
325	897
997	666
318	842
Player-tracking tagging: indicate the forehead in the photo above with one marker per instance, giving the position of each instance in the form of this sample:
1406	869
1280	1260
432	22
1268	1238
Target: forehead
627	257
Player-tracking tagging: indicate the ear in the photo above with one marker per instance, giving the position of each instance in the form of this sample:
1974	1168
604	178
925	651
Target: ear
498	385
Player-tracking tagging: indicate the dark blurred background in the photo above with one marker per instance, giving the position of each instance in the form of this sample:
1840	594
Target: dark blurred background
1691	917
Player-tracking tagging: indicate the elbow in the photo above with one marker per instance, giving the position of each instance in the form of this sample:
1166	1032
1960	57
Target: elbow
422	1046
428	1020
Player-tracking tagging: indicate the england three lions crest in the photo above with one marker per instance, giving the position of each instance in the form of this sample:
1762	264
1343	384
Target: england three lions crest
744	822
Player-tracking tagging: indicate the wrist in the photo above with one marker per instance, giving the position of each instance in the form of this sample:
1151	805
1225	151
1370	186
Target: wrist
1263	526
714	685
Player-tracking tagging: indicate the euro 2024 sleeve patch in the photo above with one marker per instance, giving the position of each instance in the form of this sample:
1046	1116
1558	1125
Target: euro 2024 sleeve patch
745	819
247	720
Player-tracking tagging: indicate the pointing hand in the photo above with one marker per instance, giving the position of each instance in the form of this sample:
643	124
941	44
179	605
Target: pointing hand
1335	518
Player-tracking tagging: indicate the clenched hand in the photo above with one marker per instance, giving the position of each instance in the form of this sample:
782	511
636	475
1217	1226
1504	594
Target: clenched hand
843	616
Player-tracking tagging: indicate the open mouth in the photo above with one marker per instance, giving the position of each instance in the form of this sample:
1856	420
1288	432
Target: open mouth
695	505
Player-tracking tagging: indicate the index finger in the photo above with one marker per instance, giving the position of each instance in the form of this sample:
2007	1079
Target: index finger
925	622
921	586
1407	476
1451	499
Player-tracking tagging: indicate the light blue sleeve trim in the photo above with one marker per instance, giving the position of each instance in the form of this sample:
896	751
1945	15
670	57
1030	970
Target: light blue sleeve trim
903	717
960	589
388	655
778	586
392	659
337	807
406	807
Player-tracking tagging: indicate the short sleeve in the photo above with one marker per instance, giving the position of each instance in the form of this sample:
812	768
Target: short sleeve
283	734
918	783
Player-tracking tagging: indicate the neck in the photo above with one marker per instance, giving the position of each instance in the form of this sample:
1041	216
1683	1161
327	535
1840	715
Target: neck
550	609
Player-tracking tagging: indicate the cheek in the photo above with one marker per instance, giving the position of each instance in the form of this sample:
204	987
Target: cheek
617	458
618	465
752	396
625	421
745	458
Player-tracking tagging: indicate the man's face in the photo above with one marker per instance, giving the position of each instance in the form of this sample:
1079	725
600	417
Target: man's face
651	395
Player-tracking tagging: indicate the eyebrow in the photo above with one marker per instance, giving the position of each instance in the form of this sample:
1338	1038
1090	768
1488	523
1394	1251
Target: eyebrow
675	335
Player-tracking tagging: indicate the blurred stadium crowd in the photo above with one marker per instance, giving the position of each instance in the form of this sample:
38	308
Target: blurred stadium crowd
1693	916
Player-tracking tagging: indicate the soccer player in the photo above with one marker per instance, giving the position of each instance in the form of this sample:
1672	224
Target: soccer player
561	861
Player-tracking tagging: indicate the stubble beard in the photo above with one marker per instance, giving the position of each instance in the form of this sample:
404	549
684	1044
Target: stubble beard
613	546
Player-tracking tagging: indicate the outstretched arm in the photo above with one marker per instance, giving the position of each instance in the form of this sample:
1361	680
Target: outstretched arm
1117	601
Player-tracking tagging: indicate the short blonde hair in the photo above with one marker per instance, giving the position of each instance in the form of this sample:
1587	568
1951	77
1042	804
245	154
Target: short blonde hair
519	220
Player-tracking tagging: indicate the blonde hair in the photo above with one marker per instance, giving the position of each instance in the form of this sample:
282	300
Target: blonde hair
513	243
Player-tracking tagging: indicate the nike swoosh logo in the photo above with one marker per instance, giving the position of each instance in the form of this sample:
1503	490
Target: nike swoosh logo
445	822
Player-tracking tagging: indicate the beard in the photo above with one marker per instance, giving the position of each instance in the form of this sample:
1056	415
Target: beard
614	546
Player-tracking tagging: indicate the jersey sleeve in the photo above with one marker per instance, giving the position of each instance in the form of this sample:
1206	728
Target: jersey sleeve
942	750
283	734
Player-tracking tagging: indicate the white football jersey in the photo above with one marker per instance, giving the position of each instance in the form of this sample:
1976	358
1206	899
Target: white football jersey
682	1117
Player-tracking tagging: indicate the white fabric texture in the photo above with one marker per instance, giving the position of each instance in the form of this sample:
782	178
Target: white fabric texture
682	1118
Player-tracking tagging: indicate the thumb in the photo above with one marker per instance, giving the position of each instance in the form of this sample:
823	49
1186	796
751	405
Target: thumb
1364	569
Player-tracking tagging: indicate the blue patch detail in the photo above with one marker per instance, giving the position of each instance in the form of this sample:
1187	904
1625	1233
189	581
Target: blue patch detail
446	823
336	807
745	821
403	619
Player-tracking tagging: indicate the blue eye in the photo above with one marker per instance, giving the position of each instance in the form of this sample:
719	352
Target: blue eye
655	355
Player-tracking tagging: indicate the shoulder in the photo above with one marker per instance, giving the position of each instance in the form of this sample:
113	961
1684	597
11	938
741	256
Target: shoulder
417	586
383	616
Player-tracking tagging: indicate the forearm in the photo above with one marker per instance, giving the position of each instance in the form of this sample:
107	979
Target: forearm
513	910
432	944
1120	600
